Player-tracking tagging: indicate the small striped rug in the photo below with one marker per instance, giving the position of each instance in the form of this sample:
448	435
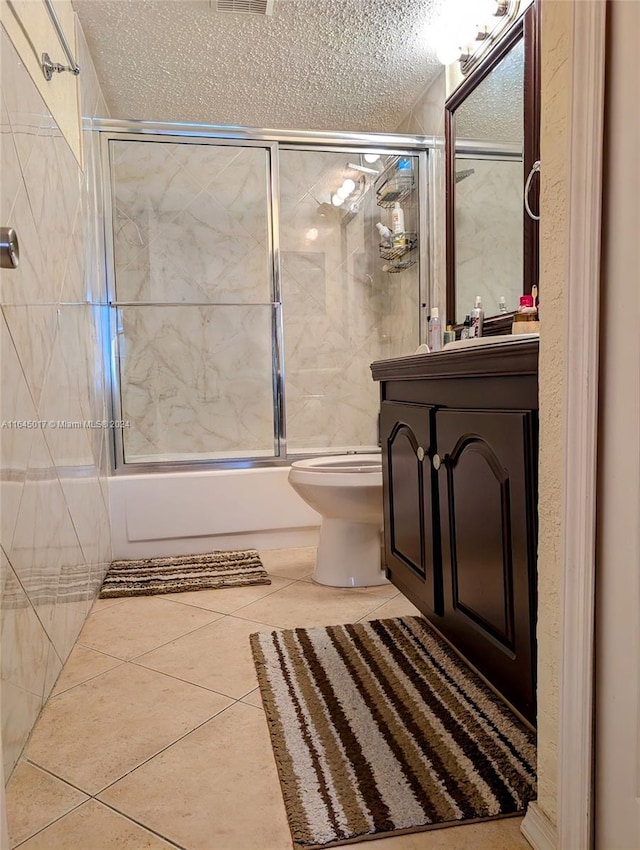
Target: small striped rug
150	576
378	729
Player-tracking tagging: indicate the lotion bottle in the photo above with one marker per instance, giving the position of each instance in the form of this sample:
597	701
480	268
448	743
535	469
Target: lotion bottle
435	330
397	225
477	319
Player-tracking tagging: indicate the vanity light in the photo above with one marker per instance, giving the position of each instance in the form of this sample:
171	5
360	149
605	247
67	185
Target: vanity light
348	185
371	157
343	192
337	201
470	27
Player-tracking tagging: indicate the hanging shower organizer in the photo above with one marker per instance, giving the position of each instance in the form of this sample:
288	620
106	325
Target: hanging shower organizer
392	188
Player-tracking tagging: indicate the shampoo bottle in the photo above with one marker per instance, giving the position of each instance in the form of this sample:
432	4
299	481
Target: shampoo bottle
477	319
397	225
435	330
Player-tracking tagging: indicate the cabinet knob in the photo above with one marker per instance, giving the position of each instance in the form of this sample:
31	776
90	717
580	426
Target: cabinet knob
436	462
420	453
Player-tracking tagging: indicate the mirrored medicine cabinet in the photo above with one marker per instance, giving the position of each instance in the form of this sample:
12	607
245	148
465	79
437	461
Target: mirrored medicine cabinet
492	131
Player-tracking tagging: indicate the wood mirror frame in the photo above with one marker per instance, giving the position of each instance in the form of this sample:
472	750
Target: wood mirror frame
526	28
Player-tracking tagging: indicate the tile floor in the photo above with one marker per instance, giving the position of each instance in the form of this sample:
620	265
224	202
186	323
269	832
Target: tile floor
154	736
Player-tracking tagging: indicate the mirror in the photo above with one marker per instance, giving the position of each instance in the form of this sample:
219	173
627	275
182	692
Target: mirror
491	143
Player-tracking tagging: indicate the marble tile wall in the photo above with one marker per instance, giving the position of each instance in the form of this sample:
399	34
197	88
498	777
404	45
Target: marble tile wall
55	536
341	311
426	118
191	226
489	235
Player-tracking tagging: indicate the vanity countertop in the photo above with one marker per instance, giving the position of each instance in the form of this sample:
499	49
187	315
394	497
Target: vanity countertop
510	357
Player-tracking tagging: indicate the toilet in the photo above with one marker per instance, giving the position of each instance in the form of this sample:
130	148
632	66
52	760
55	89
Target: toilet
347	491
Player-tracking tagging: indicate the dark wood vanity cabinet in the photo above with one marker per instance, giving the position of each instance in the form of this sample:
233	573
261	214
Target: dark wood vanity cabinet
459	445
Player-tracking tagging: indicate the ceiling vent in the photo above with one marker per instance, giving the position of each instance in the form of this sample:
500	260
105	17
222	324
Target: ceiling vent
246	7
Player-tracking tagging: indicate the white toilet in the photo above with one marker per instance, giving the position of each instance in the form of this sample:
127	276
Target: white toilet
347	491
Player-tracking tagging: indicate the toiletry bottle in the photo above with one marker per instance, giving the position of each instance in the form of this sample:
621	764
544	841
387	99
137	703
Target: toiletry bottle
385	233
526	319
464	333
449	335
477	319
435	330
397	225
502	305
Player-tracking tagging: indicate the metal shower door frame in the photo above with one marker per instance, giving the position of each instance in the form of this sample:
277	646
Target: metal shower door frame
270	141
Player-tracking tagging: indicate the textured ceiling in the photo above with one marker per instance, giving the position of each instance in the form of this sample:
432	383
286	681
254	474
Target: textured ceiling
494	111
314	64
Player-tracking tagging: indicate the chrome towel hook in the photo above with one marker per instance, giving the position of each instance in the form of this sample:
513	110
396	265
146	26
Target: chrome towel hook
535	168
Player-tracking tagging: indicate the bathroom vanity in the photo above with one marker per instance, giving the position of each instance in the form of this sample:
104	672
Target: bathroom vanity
459	438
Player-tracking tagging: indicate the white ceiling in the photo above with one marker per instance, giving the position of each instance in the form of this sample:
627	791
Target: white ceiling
315	64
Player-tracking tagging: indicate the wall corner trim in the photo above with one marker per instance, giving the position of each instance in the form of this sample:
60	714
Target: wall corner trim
538	829
576	747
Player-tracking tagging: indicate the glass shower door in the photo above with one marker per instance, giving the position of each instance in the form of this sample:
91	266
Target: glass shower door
194	301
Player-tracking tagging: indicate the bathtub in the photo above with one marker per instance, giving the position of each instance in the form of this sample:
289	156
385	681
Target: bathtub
183	513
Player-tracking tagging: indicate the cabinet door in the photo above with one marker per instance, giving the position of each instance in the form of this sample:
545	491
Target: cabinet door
487	501
412	549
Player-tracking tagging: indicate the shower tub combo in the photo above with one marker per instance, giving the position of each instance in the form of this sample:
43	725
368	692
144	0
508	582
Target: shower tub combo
248	292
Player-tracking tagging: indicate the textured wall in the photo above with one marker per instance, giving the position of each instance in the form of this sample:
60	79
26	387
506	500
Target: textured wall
556	38
55	528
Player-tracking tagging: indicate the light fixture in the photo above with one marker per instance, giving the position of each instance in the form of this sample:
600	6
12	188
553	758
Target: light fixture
371	157
469	27
336	200
349	185
343	192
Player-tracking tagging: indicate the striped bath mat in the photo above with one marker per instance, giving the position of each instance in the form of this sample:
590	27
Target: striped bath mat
379	728
149	576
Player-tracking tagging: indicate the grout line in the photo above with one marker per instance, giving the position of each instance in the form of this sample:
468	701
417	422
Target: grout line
164	749
56	776
51	823
140	823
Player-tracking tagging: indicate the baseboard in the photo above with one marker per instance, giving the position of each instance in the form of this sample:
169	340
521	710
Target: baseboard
538	829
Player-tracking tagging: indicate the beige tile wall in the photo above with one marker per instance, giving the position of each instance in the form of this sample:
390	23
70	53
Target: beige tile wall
55	527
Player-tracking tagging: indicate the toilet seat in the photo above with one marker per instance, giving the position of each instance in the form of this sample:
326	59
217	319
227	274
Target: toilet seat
341	463
344	470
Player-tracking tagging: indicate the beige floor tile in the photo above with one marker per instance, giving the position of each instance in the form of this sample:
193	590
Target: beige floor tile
290	563
494	835
100	730
399	606
304	604
229	599
96	827
253	698
35	799
385	591
217	788
141	624
102	604
217	657
83	664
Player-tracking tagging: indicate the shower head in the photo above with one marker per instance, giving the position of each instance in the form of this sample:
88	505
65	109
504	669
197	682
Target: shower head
460	175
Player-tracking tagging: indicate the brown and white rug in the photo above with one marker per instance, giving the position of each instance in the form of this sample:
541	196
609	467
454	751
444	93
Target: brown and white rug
378	728
149	576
